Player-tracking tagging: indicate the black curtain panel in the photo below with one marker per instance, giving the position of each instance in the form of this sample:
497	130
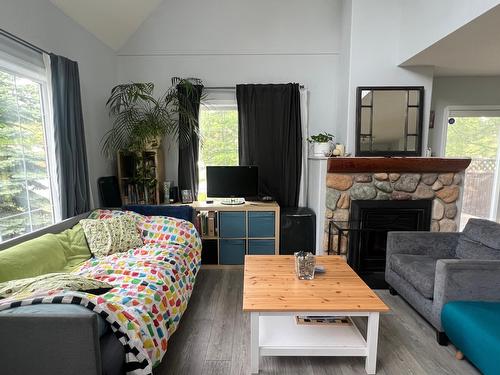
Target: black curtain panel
71	154
189	99
270	137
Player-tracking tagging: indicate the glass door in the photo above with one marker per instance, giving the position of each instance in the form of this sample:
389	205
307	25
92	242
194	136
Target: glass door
477	136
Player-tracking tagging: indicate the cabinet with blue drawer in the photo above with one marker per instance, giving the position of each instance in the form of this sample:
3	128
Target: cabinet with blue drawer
232	224
231	251
261	224
261	247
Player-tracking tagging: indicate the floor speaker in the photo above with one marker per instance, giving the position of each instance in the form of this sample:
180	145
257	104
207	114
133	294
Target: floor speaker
298	230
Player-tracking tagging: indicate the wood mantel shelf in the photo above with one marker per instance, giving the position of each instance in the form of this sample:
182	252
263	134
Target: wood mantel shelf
397	164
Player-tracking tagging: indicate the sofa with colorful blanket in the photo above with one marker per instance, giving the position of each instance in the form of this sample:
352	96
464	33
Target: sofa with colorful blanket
100	295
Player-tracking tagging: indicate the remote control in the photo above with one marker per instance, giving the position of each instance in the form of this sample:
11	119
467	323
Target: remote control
319	269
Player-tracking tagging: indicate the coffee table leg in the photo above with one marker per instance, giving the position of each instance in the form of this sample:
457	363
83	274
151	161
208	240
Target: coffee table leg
371	342
254	342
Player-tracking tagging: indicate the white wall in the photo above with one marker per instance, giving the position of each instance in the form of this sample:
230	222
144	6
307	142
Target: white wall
226	42
461	91
424	22
41	23
374	57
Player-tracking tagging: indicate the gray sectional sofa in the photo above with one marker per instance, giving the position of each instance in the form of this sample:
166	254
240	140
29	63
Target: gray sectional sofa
430	269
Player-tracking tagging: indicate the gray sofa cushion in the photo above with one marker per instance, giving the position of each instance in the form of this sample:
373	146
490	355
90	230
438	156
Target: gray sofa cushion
483	231
468	249
59	309
418	270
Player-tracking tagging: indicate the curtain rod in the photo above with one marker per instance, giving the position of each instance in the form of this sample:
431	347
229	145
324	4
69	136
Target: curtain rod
229	88
22	41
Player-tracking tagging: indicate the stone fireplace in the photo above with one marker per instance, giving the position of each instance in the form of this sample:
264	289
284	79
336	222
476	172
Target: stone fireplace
438	181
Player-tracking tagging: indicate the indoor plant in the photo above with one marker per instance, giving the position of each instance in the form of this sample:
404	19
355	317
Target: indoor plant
321	143
141	121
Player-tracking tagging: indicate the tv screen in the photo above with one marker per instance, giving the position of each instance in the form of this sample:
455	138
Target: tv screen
227	182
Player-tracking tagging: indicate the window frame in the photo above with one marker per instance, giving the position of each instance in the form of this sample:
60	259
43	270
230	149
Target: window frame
24	69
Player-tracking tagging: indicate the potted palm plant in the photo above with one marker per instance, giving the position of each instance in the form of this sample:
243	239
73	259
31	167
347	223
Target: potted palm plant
322	143
141	121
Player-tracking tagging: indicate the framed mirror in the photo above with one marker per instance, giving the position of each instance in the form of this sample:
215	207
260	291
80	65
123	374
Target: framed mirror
389	121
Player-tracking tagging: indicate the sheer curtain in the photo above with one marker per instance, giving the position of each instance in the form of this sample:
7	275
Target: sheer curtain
304	117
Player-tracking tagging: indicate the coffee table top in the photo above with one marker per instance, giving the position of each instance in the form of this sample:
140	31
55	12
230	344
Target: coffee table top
270	284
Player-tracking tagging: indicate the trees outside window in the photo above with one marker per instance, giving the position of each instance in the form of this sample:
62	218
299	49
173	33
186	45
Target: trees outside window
218	141
25	192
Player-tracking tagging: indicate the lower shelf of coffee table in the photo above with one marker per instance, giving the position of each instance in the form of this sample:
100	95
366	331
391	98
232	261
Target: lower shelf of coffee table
281	335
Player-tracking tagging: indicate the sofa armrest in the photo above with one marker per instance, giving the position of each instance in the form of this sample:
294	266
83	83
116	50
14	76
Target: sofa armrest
466	280
58	344
435	244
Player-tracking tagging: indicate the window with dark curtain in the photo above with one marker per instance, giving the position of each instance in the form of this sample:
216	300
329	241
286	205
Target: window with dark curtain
270	137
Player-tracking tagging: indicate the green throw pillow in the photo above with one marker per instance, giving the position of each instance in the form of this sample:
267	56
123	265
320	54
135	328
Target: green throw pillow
109	236
75	247
51	281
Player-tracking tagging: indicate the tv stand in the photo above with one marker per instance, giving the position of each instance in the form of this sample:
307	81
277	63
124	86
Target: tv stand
233	201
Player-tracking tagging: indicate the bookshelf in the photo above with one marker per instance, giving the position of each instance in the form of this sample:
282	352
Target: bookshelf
133	169
230	232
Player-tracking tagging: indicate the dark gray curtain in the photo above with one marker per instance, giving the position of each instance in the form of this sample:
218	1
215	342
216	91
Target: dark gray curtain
189	99
270	137
71	154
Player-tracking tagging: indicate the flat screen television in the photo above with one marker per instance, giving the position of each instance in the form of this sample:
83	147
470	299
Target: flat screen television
228	182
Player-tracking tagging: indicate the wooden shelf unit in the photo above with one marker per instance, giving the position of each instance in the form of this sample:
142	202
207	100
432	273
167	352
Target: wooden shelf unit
127	169
250	228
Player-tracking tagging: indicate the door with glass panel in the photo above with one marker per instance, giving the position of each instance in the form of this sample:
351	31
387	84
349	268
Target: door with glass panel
476	134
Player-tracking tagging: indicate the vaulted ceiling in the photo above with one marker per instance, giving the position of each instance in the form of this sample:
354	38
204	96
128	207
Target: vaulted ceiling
473	49
111	21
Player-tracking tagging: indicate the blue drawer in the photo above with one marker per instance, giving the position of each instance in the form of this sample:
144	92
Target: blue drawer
232	224
231	251
261	247
261	224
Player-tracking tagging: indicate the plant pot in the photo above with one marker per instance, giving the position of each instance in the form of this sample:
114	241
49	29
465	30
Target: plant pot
321	148
153	144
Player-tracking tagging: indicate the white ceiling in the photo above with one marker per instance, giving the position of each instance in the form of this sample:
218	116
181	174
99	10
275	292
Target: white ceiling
111	21
472	50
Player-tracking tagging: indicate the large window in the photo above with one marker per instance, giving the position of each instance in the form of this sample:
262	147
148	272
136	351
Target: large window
219	139
25	188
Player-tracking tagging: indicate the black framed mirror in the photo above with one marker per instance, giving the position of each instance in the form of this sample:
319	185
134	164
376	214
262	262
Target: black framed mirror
389	120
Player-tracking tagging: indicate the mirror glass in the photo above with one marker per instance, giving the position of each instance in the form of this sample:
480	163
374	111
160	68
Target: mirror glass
389	121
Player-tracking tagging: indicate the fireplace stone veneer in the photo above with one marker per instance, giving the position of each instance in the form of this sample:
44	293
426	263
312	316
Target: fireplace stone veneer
444	188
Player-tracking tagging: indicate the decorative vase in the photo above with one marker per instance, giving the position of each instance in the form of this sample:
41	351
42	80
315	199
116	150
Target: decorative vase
321	148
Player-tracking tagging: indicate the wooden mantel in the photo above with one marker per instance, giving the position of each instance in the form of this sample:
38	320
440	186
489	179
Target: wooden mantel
397	164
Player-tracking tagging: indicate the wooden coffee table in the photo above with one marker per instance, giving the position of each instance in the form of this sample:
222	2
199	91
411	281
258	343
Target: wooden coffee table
274	296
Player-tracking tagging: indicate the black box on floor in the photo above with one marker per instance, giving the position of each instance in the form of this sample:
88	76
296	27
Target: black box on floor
298	230
209	252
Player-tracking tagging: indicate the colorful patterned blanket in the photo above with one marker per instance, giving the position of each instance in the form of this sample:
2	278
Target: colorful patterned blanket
152	286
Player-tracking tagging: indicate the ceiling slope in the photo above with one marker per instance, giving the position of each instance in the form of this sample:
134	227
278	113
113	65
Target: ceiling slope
111	21
472	50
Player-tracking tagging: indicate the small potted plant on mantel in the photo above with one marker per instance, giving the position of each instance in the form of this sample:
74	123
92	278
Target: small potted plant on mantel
322	143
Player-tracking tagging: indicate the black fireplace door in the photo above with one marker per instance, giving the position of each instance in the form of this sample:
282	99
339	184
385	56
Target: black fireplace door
370	221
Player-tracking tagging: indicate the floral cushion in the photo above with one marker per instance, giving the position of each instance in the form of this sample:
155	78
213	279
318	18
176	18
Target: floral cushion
109	236
51	281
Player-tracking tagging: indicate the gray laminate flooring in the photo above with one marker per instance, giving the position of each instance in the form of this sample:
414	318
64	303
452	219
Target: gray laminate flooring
213	338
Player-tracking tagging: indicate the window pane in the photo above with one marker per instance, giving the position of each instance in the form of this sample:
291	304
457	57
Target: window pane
25	195
219	141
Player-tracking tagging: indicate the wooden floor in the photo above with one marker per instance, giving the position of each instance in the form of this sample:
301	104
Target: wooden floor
213	338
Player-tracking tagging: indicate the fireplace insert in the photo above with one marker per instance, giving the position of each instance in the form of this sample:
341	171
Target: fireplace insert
370	220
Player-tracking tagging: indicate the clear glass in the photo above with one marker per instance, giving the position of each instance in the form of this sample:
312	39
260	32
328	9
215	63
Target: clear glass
479	139
218	141
25	191
305	263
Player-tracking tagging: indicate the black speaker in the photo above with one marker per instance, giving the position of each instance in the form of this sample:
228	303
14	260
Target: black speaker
109	192
298	230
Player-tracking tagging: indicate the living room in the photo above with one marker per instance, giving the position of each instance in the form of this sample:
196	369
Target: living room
235	187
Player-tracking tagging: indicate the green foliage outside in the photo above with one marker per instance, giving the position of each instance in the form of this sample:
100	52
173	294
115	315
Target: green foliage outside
475	137
219	142
24	182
